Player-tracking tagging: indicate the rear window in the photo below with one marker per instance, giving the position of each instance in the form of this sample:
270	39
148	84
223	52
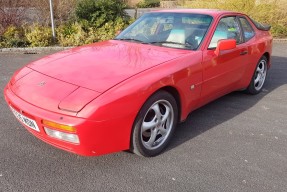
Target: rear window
248	32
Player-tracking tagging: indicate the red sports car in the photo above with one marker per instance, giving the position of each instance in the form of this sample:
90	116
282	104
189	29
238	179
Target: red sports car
130	92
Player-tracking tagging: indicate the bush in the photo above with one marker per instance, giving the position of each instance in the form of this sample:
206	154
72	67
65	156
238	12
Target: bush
80	33
148	4
99	12
279	31
72	34
268	12
273	14
39	36
96	20
107	31
13	37
69	34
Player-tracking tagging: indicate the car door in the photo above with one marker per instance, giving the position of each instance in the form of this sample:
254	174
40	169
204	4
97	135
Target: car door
221	72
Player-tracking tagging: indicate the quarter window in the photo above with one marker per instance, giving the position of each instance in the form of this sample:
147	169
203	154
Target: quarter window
227	28
247	29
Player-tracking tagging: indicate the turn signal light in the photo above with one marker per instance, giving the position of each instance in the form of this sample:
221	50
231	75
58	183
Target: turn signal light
58	126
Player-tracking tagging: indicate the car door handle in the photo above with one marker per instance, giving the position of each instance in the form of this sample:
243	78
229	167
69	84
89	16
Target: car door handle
243	52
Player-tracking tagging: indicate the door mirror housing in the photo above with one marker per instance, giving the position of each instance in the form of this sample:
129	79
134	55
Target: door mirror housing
225	44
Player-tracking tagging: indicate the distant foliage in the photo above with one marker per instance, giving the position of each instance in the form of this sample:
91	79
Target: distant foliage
68	34
38	36
72	34
12	12
13	37
23	36
80	33
86	21
63	10
108	30
99	12
148	4
95	20
272	12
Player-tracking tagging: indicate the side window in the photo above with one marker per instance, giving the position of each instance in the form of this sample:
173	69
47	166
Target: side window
247	29
227	28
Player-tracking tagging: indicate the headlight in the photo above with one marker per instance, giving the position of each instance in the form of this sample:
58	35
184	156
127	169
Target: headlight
61	132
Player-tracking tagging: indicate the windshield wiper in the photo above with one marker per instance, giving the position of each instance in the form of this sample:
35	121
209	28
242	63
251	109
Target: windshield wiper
129	39
162	42
171	42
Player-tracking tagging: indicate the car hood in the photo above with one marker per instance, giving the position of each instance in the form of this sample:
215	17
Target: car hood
101	66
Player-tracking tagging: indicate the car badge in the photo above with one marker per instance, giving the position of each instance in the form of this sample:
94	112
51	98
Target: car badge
42	83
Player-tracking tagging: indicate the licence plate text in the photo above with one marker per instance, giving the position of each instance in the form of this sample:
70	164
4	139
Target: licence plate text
25	120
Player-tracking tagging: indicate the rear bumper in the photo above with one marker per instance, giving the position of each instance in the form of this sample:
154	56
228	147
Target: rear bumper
94	136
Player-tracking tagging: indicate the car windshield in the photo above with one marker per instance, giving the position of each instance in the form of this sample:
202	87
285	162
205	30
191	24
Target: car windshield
175	30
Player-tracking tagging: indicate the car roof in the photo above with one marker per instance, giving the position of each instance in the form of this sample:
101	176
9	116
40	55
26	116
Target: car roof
213	12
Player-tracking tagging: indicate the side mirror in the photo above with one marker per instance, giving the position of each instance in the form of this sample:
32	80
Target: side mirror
225	44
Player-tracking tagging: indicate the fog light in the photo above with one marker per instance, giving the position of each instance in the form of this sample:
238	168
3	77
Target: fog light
73	138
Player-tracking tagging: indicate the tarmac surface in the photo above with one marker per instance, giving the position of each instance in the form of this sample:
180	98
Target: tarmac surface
236	143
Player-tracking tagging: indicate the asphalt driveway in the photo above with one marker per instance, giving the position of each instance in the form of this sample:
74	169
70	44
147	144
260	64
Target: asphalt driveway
236	143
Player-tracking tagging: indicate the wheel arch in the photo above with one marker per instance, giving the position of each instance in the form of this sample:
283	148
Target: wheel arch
174	92
267	55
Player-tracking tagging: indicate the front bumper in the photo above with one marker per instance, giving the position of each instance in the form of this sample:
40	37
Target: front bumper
95	137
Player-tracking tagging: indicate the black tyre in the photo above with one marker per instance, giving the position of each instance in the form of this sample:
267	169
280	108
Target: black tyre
259	77
154	125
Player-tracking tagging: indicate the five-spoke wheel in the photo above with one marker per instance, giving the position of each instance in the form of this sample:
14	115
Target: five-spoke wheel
154	124
259	76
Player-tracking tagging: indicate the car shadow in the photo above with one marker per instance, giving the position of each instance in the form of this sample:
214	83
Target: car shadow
227	107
